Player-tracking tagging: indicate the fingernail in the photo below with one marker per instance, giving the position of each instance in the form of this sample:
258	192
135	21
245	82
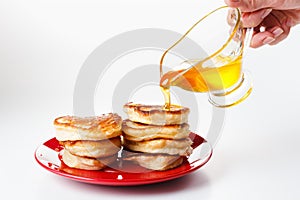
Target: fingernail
268	40
277	32
289	23
266	13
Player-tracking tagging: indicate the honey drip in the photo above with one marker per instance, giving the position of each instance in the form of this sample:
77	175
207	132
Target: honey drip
167	97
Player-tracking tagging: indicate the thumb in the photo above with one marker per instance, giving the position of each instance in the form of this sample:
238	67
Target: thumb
252	5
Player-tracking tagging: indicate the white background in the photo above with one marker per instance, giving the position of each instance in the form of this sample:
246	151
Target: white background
42	47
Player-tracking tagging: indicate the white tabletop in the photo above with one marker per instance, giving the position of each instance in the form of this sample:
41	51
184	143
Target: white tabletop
43	46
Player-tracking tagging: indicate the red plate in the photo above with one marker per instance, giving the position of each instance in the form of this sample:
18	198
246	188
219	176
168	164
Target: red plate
123	173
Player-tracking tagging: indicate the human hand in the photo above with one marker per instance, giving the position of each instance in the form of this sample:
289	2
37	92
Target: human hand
271	19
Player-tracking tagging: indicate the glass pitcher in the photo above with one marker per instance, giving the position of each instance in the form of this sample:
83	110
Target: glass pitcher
218	71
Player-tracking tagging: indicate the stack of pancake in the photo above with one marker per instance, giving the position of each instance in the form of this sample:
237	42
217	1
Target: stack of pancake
89	143
156	138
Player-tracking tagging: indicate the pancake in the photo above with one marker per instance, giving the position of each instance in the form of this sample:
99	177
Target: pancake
156	114
135	131
154	161
93	149
85	162
173	147
71	128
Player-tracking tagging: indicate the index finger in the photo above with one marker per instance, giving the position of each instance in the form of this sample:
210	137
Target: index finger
251	5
